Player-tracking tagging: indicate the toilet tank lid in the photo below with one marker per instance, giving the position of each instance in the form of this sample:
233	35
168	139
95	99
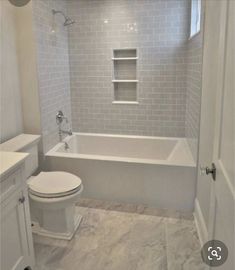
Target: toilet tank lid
19	142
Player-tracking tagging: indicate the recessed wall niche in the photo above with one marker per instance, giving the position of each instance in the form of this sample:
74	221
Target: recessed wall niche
125	76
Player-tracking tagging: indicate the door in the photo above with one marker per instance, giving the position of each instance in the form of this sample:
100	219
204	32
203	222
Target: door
222	207
14	248
220	22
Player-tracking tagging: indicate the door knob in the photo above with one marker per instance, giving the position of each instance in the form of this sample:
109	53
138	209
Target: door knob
22	199
207	171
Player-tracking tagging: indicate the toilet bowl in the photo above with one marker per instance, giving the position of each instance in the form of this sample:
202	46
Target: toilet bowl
53	196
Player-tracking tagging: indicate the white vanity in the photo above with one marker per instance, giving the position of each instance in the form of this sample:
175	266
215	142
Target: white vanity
16	250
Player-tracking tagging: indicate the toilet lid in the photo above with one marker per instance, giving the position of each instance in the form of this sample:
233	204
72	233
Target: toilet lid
54	184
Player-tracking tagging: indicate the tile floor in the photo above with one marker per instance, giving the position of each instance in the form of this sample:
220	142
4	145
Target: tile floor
123	237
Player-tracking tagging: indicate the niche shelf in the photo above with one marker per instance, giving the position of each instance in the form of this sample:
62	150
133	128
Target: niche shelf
124	53
124	81
125	92
125	76
124	58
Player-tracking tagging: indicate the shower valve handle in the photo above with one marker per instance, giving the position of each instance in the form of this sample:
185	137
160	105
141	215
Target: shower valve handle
60	117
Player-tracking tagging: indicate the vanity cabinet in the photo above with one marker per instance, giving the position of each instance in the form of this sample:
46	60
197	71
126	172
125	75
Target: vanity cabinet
16	251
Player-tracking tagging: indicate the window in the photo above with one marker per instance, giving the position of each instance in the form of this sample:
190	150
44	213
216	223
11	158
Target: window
195	17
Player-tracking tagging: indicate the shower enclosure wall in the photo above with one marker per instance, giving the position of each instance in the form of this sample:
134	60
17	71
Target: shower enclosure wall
158	30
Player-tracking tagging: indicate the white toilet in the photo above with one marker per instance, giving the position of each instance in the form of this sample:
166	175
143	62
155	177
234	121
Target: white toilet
52	195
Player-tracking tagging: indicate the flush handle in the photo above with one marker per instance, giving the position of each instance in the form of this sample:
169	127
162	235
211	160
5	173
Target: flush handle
207	171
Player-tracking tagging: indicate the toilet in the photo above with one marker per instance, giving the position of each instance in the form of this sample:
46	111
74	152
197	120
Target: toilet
52	199
52	195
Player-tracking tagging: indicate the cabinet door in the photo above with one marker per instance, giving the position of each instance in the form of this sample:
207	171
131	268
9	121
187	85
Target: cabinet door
13	235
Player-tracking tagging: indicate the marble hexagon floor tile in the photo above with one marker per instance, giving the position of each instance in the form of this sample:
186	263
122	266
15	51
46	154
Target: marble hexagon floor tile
117	240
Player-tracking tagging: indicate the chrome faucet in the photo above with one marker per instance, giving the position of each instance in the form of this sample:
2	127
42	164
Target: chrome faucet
59	119
68	132
66	145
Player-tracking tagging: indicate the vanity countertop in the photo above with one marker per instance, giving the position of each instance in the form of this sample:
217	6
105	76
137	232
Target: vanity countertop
19	142
9	160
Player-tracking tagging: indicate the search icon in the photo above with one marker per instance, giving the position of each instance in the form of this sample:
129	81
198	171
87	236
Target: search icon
214	253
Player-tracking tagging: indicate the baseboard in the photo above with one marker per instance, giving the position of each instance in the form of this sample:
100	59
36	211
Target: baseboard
200	223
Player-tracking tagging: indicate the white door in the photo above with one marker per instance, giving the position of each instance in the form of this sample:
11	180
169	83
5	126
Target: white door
14	247
222	209
221	221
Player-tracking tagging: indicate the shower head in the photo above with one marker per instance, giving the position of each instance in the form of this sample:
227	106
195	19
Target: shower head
68	21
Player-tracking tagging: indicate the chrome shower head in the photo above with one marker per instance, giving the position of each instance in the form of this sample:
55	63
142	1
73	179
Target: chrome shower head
68	21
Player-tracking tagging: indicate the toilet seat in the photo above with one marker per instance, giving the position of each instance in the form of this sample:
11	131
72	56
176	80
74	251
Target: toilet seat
54	184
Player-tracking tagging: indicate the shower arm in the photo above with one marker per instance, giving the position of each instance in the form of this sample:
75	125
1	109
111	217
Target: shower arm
54	12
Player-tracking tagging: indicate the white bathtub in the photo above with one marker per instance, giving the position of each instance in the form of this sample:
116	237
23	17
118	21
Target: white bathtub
156	171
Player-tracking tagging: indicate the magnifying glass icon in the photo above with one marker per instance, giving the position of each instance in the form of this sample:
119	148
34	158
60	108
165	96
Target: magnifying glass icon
214	253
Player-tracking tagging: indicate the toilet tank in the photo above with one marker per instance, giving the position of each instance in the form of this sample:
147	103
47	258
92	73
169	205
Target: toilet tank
25	143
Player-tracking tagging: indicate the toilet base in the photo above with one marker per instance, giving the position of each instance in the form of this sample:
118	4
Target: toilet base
37	229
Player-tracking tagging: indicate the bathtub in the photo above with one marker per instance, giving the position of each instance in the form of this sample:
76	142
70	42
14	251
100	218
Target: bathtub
156	171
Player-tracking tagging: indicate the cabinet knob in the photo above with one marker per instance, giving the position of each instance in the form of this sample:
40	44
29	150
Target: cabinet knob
22	199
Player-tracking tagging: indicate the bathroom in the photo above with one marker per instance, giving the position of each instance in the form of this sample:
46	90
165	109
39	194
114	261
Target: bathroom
117	134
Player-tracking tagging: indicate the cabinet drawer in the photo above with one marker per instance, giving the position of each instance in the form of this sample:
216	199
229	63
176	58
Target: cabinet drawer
10	183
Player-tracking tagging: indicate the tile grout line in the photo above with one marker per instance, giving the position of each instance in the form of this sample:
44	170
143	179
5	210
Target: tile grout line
166	238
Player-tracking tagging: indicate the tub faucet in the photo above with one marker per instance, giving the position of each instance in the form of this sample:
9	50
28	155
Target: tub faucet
66	145
59	119
67	132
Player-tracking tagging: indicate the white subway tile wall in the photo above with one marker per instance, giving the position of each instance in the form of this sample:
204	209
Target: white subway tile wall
193	104
53	67
159	30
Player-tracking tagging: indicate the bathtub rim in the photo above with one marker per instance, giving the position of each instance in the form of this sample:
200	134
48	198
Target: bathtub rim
191	163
